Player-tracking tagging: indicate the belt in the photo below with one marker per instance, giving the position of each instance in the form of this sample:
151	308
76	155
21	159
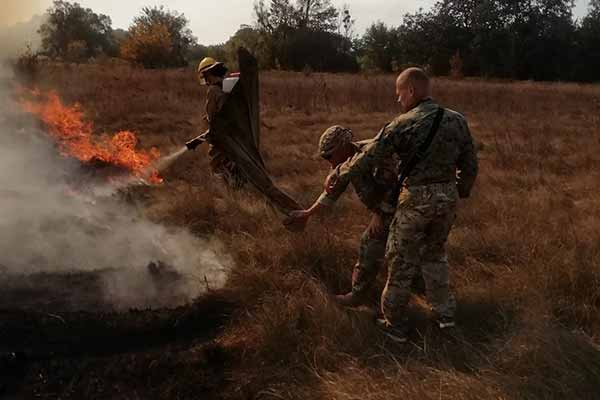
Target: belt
408	185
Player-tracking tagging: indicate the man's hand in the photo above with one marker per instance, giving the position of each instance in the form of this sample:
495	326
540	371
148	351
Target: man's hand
297	220
197	141
330	182
376	226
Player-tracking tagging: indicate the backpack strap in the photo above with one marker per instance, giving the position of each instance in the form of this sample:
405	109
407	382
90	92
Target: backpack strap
419	154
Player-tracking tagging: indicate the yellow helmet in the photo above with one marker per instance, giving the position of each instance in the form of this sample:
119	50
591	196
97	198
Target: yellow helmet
205	65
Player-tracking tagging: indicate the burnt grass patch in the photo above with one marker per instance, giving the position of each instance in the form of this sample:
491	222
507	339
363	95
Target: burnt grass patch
75	353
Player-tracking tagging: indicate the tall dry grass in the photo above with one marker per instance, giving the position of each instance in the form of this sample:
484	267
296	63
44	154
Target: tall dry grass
524	253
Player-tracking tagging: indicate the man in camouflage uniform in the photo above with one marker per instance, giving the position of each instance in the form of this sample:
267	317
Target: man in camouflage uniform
336	146
427	205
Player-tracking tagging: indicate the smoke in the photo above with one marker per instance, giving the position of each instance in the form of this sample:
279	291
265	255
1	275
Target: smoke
19	23
47	227
14	11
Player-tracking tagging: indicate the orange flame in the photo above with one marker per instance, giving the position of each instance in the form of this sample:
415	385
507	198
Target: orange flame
75	138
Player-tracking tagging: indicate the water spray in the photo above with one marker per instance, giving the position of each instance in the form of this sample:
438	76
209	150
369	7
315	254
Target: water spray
166	161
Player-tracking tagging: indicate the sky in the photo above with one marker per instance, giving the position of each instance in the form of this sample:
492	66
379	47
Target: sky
214	22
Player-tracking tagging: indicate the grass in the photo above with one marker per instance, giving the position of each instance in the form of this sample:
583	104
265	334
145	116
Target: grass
524	252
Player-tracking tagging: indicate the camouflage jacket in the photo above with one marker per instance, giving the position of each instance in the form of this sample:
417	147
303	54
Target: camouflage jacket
215	98
450	158
372	187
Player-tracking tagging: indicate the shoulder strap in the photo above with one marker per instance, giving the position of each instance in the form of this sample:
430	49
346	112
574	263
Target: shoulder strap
434	129
419	153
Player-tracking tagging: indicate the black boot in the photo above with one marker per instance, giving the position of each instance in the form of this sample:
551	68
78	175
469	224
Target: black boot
349	299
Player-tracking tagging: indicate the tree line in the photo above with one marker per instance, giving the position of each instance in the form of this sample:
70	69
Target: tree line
517	39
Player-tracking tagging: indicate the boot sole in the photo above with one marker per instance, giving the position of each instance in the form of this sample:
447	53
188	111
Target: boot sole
395	338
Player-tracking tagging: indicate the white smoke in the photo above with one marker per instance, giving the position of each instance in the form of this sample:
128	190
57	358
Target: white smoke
14	11
46	227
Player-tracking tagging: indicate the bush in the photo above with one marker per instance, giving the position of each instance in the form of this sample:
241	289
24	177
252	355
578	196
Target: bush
27	64
148	45
72	30
76	51
158	38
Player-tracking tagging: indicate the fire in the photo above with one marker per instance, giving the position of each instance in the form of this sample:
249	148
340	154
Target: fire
75	138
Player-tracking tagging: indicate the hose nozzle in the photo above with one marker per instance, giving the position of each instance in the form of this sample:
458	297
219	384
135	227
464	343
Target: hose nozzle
197	141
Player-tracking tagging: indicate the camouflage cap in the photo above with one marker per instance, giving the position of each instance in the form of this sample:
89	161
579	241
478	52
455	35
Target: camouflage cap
333	138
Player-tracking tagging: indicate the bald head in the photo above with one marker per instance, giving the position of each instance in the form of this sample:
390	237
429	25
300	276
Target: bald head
413	76
412	86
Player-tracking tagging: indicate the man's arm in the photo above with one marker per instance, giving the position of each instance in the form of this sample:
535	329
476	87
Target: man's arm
383	146
467	164
197	141
333	190
390	140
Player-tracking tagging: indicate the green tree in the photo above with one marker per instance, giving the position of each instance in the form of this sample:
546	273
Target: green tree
504	38
70	26
378	47
316	50
446	30
119	36
158	38
346	24
544	35
491	50
588	35
275	22
279	15
218	52
304	33
196	53
76	51
346	29
149	45
317	15
251	39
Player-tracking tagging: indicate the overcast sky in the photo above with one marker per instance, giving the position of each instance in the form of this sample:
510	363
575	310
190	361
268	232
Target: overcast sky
214	21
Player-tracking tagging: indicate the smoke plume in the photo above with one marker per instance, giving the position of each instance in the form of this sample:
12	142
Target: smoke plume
14	11
47	227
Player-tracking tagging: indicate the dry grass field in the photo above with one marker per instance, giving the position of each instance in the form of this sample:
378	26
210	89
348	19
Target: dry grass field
524	254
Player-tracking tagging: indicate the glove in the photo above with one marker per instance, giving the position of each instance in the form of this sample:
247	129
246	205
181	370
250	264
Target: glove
195	142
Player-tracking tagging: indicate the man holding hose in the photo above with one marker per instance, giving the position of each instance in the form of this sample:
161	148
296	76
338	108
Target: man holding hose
212	73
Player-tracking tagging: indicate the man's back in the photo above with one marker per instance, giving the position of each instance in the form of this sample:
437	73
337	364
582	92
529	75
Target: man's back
451	150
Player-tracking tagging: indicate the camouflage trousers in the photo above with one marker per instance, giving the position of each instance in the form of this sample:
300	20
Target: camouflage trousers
417	244
370	258
371	255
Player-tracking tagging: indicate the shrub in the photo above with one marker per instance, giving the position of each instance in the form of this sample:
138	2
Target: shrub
27	64
158	38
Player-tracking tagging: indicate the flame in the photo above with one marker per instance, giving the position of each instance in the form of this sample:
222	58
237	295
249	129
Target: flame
75	137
